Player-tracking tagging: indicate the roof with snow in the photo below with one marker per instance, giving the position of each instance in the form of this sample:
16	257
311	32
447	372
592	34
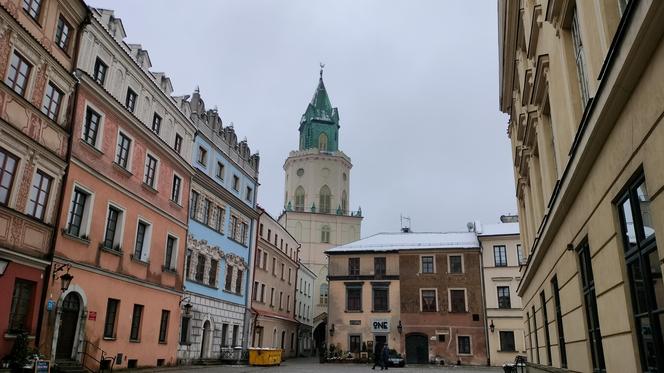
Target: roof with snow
410	241
500	229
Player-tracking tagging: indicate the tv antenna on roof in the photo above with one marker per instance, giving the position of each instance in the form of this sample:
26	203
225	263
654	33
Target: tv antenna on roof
405	224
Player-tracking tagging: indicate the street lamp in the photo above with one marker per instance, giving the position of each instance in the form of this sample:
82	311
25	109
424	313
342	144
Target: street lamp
187	308
400	327
492	327
4	263
65	278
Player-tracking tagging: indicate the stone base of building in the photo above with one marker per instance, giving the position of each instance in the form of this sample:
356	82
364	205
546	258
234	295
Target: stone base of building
536	368
212	325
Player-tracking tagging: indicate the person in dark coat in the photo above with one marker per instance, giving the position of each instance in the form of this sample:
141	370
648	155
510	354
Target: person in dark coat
384	357
377	356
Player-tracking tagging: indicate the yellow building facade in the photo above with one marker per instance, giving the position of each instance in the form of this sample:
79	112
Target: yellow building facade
582	84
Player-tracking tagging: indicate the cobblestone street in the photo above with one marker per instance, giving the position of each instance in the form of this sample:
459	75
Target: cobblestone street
303	365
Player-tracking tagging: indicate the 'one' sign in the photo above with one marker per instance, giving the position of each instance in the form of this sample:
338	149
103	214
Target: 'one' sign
380	325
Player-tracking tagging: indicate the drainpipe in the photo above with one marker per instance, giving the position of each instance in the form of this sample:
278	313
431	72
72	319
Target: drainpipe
56	226
486	325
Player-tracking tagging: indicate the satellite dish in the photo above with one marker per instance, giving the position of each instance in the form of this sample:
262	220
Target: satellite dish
471	226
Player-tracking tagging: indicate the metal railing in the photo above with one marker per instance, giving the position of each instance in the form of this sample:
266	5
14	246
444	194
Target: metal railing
104	363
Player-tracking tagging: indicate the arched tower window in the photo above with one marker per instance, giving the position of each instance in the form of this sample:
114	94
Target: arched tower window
322	142
323	294
344	202
299	199
325	234
325	197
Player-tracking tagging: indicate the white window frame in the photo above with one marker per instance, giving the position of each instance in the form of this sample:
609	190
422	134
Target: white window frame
434	263
63	102
179	201
449	266
176	250
470	339
156	170
130	154
86	221
100	130
449	299
436	291
119	230
147	240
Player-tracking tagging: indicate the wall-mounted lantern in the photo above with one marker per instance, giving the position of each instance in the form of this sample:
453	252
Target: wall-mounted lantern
400	327
65	279
492	327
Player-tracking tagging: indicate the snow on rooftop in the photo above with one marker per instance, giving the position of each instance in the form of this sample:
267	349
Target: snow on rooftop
411	241
500	229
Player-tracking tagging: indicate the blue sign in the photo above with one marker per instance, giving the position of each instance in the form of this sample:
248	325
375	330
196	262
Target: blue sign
50	305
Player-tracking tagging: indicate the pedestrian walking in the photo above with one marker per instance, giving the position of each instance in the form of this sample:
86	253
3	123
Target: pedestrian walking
377	356
384	357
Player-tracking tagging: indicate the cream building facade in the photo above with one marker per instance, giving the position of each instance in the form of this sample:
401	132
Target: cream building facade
502	257
317	195
582	84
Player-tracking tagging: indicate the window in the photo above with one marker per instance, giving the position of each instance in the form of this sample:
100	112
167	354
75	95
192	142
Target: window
535	333
250	193
178	143
111	236
456	264
265	261
111	316
463	344
274	267
289	275
325	234
325	199
243	233
76	213
236	329
254	291
135	334
233	227
579	57
19	72
142	241
238	282
381	302
184	330
559	322
7	170
379	266
643	271
355	343
507	341
354	297
504	297
271	297
130	101
288	303
32	7
22	304
171	256
281	300
200	268
457	300
299	199
207	209
429	303
122	155
219	223
590	301
41	188
427	264
323	293
520	255
163	325
100	71
175	192
236	183
156	123
52	100
282	270
62	34
224	335
150	170
220	170
269	234
353	266
91	126
202	156
229	277
212	275
500	256
545	323
193	204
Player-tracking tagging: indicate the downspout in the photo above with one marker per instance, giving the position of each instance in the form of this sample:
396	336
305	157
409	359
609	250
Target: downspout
486	325
70	121
250	288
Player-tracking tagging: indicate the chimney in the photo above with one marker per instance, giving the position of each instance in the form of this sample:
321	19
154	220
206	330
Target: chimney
509	218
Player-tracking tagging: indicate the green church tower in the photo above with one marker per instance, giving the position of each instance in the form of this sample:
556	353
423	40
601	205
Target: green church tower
319	126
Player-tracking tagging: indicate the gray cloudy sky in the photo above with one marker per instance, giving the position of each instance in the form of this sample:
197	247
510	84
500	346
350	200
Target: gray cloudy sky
416	84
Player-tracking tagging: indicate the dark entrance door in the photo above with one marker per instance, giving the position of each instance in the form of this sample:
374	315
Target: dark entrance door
380	342
68	322
417	349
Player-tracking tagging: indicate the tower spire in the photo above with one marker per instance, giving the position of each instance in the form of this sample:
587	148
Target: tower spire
322	66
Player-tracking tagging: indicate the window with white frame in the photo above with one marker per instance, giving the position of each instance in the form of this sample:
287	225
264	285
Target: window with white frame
463	345
142	243
427	264
428	300
455	263
150	170
122	154
457	300
79	213
177	187
171	254
114	226
580	59
91	127
52	101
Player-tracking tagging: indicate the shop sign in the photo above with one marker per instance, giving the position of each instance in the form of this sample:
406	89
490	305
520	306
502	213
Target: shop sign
92	315
380	325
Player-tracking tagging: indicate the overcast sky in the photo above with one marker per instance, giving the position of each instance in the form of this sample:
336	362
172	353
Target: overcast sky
416	84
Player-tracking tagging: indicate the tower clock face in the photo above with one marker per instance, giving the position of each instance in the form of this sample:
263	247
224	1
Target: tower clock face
300	171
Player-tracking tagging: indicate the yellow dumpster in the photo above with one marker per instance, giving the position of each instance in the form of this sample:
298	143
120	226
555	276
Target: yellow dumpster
264	356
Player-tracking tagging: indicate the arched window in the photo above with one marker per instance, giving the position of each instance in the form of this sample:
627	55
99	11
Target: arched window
323	294
344	203
325	197
299	199
322	142
274	338
325	234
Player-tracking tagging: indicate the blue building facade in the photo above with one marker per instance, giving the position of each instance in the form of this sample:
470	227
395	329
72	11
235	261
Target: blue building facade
222	225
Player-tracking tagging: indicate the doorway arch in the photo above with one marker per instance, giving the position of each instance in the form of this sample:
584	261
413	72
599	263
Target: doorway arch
417	348
205	340
70	312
